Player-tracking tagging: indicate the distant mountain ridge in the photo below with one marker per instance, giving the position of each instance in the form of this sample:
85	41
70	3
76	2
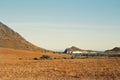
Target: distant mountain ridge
12	39
74	50
115	50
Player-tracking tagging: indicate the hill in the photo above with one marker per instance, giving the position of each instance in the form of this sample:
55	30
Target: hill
115	50
12	39
75	50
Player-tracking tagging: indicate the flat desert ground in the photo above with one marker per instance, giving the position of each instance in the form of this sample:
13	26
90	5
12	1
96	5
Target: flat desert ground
56	69
69	69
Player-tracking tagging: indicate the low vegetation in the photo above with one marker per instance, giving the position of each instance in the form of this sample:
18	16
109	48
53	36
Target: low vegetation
79	56
43	57
96	55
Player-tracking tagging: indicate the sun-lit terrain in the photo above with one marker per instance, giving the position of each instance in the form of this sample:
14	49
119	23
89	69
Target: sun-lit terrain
21	60
59	68
59	40
7	53
76	69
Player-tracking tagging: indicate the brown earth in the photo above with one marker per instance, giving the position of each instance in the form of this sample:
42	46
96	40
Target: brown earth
56	69
7	53
69	69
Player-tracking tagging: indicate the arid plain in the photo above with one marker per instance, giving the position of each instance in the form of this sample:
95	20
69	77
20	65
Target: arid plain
12	68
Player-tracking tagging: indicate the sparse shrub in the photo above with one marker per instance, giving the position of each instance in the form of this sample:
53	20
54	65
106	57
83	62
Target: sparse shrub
114	55
45	57
72	57
35	58
64	58
20	58
54	58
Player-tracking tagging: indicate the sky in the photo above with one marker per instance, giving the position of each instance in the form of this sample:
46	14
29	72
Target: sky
59	24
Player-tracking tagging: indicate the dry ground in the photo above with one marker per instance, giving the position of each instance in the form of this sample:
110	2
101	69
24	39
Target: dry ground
7	53
69	69
59	69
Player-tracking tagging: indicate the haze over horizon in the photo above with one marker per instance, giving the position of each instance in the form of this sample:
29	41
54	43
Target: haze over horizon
58	24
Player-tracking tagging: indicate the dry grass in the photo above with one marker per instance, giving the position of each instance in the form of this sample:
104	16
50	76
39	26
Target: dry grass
75	69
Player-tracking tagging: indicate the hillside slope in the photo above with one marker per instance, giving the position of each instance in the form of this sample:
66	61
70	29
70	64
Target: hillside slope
11	39
115	50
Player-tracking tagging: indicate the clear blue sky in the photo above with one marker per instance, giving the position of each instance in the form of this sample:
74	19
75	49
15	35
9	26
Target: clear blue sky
57	24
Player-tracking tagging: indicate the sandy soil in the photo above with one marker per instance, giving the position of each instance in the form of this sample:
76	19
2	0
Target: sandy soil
69	69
